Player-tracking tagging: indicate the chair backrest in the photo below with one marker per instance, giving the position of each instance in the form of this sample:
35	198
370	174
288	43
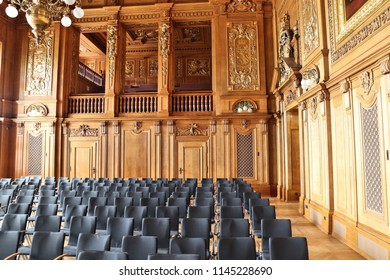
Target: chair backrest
145	191
26	192
102	213
161	197
200	212
121	203
139	247
86	195
231	212
181	203
234	228
199	194
48	223
73	210
19	208
174	257
236	248
233	201
90	241
93	202
46	210
191	245
159	227
101	255
171	212
70	200
24	199
197	227
47	200
257	202
80	224
43	193
9	243
136	197
16	222
223	195
288	248
151	203
47	245
111	196
259	213
138	213
4	202
249	195
274	228
118	228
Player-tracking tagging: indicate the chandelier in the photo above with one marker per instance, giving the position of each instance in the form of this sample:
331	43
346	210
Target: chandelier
40	13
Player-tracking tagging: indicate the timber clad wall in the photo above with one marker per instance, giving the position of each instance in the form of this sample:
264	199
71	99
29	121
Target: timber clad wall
291	95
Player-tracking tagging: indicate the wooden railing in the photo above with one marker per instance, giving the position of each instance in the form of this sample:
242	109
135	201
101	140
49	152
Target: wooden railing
138	103
90	75
192	102
86	105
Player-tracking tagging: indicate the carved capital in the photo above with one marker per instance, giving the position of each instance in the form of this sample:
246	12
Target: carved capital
157	127
385	67
20	128
226	126
345	86
116	127
103	128
65	129
213	126
170	127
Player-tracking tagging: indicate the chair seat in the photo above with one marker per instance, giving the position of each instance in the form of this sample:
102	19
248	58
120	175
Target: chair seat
25	250
70	250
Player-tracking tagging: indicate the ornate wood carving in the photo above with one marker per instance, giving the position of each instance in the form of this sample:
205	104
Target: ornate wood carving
243	57
213	126
140	16
240	6
103	128
192	130
129	68
170	125
336	11
198	67
157	127
310	77
84	131
153	68
39	66
310	26
367	95
385	67
136	127
116	127
37	126
164	49
244	106
112	51
37	110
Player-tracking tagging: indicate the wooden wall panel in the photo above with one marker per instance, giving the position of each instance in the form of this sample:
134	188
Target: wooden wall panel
136	154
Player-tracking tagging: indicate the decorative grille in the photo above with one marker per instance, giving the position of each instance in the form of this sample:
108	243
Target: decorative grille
372	159
245	158
35	154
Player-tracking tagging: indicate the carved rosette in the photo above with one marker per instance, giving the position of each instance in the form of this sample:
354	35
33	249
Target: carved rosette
234	6
112	51
243	57
193	130
164	49
310	26
84	131
39	66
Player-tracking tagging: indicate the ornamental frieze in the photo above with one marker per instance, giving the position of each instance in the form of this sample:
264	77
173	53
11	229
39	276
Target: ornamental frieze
193	130
84	131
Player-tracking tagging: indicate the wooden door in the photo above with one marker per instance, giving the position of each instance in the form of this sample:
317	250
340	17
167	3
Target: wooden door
192	161
83	161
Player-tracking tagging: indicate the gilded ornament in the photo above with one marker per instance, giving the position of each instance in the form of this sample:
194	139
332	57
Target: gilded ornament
192	130
112	51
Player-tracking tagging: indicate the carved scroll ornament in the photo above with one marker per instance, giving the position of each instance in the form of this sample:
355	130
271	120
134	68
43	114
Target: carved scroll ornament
84	131
240	6
192	130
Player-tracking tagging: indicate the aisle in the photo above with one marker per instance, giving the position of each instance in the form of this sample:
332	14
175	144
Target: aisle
321	245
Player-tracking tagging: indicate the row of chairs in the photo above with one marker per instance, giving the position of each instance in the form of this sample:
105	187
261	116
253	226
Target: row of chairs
219	202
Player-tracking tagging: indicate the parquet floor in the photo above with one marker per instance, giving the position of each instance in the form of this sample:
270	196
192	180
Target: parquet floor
321	245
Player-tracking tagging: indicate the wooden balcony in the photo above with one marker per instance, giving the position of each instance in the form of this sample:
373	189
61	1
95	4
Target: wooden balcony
192	102
146	103
86	104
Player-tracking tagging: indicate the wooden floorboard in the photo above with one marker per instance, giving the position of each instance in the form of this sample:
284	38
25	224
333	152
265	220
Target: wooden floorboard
321	245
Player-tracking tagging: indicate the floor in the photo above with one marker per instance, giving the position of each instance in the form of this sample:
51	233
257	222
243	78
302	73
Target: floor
321	245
